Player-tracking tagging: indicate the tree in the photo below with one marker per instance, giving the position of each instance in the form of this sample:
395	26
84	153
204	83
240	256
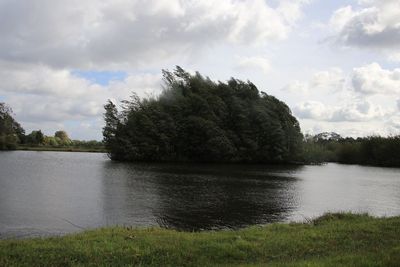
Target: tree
196	119
51	141
11	131
110	129
62	135
35	138
62	138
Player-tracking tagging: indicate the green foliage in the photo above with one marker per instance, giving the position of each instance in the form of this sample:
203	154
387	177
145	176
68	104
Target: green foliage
315	153
10	130
331	240
60	142
111	126
51	141
35	138
62	138
87	144
196	119
8	142
372	150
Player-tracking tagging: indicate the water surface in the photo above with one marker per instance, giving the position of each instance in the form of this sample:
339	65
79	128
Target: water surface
51	193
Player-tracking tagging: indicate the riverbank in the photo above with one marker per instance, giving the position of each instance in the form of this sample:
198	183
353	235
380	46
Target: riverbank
331	240
61	149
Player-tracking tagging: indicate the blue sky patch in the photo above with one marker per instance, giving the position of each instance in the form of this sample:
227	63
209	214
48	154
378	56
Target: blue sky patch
101	77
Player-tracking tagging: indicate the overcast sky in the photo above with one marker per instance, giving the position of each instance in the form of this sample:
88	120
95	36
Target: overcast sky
335	63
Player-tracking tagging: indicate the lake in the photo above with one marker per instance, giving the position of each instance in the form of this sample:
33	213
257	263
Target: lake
53	193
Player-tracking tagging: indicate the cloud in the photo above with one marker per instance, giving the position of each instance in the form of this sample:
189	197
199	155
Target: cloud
331	80
108	34
254	63
361	110
365	94
392	126
354	111
375	25
38	79
365	105
291	9
297	87
373	79
368	79
312	110
40	95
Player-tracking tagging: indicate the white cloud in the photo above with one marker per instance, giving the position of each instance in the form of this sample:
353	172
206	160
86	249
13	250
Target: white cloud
297	87
375	25
331	80
144	85
39	79
373	79
393	125
341	17
394	57
355	111
367	104
361	110
127	33
40	95
312	110
254	63
366	94
291	9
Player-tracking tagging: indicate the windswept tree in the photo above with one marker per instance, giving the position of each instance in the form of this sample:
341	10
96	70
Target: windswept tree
112	121
196	119
11	131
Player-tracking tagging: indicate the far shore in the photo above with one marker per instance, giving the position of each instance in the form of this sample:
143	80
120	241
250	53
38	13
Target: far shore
62	149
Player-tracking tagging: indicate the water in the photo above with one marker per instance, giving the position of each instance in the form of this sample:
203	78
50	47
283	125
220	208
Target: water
52	193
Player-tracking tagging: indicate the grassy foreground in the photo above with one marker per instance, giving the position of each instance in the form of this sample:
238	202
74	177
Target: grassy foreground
331	240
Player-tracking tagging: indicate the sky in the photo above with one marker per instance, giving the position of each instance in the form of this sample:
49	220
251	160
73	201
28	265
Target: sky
335	63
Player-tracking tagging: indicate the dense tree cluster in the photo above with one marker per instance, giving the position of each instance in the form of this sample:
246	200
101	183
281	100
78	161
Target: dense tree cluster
196	119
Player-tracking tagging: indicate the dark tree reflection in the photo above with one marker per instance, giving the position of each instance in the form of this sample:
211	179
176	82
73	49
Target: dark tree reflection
212	197
196	197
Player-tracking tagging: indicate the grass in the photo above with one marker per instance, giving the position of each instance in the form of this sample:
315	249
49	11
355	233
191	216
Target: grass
61	149
331	240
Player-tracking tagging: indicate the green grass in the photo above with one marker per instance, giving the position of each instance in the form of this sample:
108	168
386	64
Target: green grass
61	149
331	240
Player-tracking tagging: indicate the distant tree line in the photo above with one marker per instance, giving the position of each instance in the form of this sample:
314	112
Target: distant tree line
60	139
196	119
12	135
372	150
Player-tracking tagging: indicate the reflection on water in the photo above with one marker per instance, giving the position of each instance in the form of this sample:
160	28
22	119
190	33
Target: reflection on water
45	193
206	197
195	197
